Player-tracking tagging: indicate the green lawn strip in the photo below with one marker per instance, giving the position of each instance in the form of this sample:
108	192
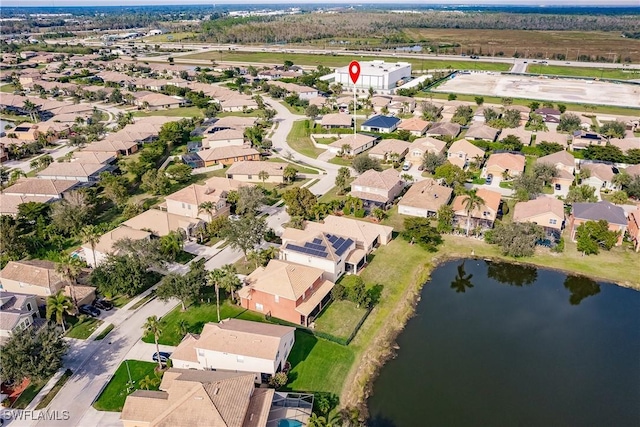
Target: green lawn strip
340	161
252	113
172	112
595	72
8	88
293	109
104	332
301	169
318	365
599	109
326	140
200	178
115	393
184	257
82	327
339	319
298	139
143	301
54	390
244	267
196	316
29	394
340	60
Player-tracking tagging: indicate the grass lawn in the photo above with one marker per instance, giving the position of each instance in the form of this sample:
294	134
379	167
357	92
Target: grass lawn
245	267
104	332
115	393
318	364
28	394
340	161
82	326
143	301
300	168
252	113
340	318
56	388
333	194
298	139
196	316
394	219
200	178
8	88
184	257
293	109
341	60
173	112
326	140
595	72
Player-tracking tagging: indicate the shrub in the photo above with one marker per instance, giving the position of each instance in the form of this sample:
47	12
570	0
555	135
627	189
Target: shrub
338	293
278	380
559	247
360	213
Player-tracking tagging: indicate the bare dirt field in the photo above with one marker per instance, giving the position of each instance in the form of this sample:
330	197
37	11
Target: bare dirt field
547	89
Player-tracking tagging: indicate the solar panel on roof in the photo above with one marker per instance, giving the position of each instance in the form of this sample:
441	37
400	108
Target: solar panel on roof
317	241
315	247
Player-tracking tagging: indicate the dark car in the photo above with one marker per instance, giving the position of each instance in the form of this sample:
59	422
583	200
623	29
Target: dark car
89	310
103	304
164	356
489	179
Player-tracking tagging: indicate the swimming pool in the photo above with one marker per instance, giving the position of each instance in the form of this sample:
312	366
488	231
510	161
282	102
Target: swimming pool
289	423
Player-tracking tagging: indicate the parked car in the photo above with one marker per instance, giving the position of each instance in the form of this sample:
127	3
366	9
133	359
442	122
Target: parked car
406	166
164	356
489	179
103	304
89	310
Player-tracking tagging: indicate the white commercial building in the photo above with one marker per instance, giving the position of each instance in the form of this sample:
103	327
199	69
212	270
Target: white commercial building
381	76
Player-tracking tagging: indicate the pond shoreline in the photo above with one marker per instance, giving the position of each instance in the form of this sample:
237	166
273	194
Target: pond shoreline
382	348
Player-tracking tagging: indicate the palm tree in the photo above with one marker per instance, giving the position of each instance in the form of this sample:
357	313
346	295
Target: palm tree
230	281
70	267
148	382
57	306
263	176
214	278
89	234
152	326
30	108
15	175
378	214
209	207
345	149
255	257
471	202
462	281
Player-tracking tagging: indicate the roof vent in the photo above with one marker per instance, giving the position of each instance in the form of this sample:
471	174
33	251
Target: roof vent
216	391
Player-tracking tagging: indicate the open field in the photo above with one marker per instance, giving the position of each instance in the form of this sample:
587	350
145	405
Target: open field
340	61
602	73
563	90
169	37
538	44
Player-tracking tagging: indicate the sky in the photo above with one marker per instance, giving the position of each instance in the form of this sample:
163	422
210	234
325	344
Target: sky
36	3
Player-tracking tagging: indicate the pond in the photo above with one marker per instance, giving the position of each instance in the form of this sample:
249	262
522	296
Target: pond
496	344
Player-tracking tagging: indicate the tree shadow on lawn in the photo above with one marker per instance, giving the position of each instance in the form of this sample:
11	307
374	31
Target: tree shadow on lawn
304	344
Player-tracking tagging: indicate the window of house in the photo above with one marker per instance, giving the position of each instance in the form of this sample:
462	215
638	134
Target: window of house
189	207
553	221
249	176
28	306
485	213
259	307
183	206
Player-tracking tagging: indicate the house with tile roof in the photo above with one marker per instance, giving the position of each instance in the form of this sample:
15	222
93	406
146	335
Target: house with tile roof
421	146
583	212
415	125
68	171
388	149
40	278
53	188
228	155
357	143
160	223
565	164
18	312
445	129
520	132
380	124
187	201
547	212
483	216
424	198
250	171
481	132
337	121
236	345
198	398
286	290
600	176
504	163
105	246
328	252
223	138
10	203
377	189
462	152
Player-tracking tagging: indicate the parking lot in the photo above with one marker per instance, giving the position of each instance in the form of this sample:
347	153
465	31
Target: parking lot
551	89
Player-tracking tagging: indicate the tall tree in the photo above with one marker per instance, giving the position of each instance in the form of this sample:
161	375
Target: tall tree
263	176
90	235
342	179
289	174
57	306
250	198
153	326
209	208
215	278
245	233
69	268
300	202
471	201
230	281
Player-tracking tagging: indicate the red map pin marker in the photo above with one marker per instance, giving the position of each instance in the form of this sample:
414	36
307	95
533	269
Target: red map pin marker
354	71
